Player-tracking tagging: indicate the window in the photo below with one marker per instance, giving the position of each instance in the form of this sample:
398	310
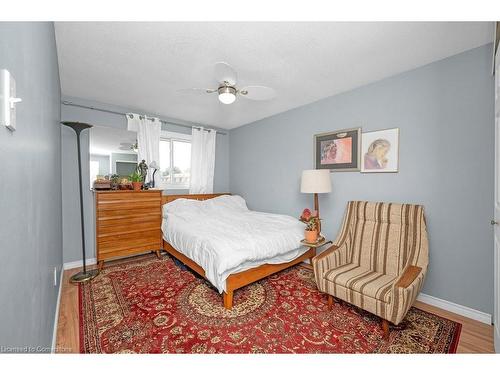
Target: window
175	160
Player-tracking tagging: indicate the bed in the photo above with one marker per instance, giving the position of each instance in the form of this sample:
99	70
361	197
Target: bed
218	237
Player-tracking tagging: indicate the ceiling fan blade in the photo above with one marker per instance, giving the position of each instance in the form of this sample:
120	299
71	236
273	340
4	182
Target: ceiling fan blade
196	91
257	92
224	73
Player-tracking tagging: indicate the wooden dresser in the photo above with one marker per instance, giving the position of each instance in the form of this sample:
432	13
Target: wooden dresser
127	222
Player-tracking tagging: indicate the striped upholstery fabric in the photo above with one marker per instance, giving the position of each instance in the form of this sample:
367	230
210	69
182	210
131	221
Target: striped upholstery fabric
376	243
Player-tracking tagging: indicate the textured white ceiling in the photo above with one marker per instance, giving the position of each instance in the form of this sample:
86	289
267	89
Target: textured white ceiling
141	65
104	140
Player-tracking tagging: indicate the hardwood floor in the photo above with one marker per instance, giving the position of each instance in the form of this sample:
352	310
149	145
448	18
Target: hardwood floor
476	337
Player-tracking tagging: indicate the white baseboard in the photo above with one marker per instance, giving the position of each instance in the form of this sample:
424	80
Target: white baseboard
455	308
79	263
496	341
56	316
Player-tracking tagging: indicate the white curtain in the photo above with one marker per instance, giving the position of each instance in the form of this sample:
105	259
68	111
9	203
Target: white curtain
202	161
148	139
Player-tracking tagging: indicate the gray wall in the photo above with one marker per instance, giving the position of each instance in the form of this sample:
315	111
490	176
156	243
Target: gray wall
445	114
121	157
103	161
30	188
71	219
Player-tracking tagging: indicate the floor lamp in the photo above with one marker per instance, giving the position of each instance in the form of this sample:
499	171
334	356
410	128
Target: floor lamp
84	275
316	181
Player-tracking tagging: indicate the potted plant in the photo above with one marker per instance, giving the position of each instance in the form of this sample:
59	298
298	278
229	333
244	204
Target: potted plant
311	220
136	179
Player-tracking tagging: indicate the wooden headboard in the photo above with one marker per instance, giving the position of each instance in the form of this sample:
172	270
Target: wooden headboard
198	197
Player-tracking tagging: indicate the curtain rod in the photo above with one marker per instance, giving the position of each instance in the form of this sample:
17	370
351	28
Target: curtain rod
66	102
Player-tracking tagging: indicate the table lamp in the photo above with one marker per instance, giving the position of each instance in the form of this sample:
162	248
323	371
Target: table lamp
316	181
154	166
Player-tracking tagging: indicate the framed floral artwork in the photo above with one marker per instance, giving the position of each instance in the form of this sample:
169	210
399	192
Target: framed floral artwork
338	151
380	151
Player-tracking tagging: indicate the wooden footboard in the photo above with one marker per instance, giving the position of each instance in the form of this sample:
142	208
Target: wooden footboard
243	278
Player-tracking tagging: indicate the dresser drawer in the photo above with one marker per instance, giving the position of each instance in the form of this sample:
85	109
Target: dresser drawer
124	213
143	204
106	231
128	196
141	243
106	224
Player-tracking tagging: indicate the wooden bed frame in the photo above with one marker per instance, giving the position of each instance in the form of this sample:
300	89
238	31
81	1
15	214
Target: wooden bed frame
236	280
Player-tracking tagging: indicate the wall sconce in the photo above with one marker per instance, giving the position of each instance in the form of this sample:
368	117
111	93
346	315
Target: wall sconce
8	100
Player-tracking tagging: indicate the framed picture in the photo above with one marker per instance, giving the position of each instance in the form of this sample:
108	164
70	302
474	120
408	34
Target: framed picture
380	151
338	151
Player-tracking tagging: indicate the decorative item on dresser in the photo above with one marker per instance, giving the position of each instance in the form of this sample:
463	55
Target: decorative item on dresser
127	222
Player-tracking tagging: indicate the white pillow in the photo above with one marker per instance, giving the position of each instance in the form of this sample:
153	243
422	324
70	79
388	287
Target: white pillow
193	206
226	202
182	205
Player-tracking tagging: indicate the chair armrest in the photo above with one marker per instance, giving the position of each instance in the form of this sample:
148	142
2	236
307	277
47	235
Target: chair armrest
333	257
327	252
404	292
408	276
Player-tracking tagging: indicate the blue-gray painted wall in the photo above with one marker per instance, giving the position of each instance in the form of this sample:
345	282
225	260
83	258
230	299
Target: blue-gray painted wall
30	188
445	114
71	217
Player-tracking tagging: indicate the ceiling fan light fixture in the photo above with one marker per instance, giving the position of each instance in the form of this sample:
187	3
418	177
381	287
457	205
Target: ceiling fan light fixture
227	94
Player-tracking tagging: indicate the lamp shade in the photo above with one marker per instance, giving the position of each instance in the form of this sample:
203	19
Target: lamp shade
315	181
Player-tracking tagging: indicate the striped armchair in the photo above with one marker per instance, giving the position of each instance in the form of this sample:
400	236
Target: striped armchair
378	261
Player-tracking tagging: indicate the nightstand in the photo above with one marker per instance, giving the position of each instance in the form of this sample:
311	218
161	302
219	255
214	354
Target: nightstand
314	246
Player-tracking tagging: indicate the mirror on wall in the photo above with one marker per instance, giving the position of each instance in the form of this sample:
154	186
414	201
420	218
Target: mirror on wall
112	152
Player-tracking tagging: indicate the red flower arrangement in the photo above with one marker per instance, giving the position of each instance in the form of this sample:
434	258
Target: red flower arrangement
311	219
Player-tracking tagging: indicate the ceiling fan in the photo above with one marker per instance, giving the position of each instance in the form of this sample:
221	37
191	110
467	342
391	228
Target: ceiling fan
127	146
227	90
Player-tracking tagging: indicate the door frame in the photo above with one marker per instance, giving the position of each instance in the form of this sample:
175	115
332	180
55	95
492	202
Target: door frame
496	227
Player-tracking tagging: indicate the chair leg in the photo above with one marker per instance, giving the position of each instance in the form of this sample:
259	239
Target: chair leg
385	328
228	300
330	302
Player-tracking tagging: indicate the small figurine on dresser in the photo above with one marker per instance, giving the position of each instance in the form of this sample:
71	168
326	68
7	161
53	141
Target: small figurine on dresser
142	168
115	181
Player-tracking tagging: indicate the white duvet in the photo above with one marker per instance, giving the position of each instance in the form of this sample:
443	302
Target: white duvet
223	236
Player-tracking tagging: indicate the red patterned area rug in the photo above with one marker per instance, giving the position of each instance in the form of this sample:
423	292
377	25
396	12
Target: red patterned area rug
149	305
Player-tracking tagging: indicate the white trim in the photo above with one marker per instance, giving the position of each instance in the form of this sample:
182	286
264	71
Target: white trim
455	308
56	316
496	341
79	263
